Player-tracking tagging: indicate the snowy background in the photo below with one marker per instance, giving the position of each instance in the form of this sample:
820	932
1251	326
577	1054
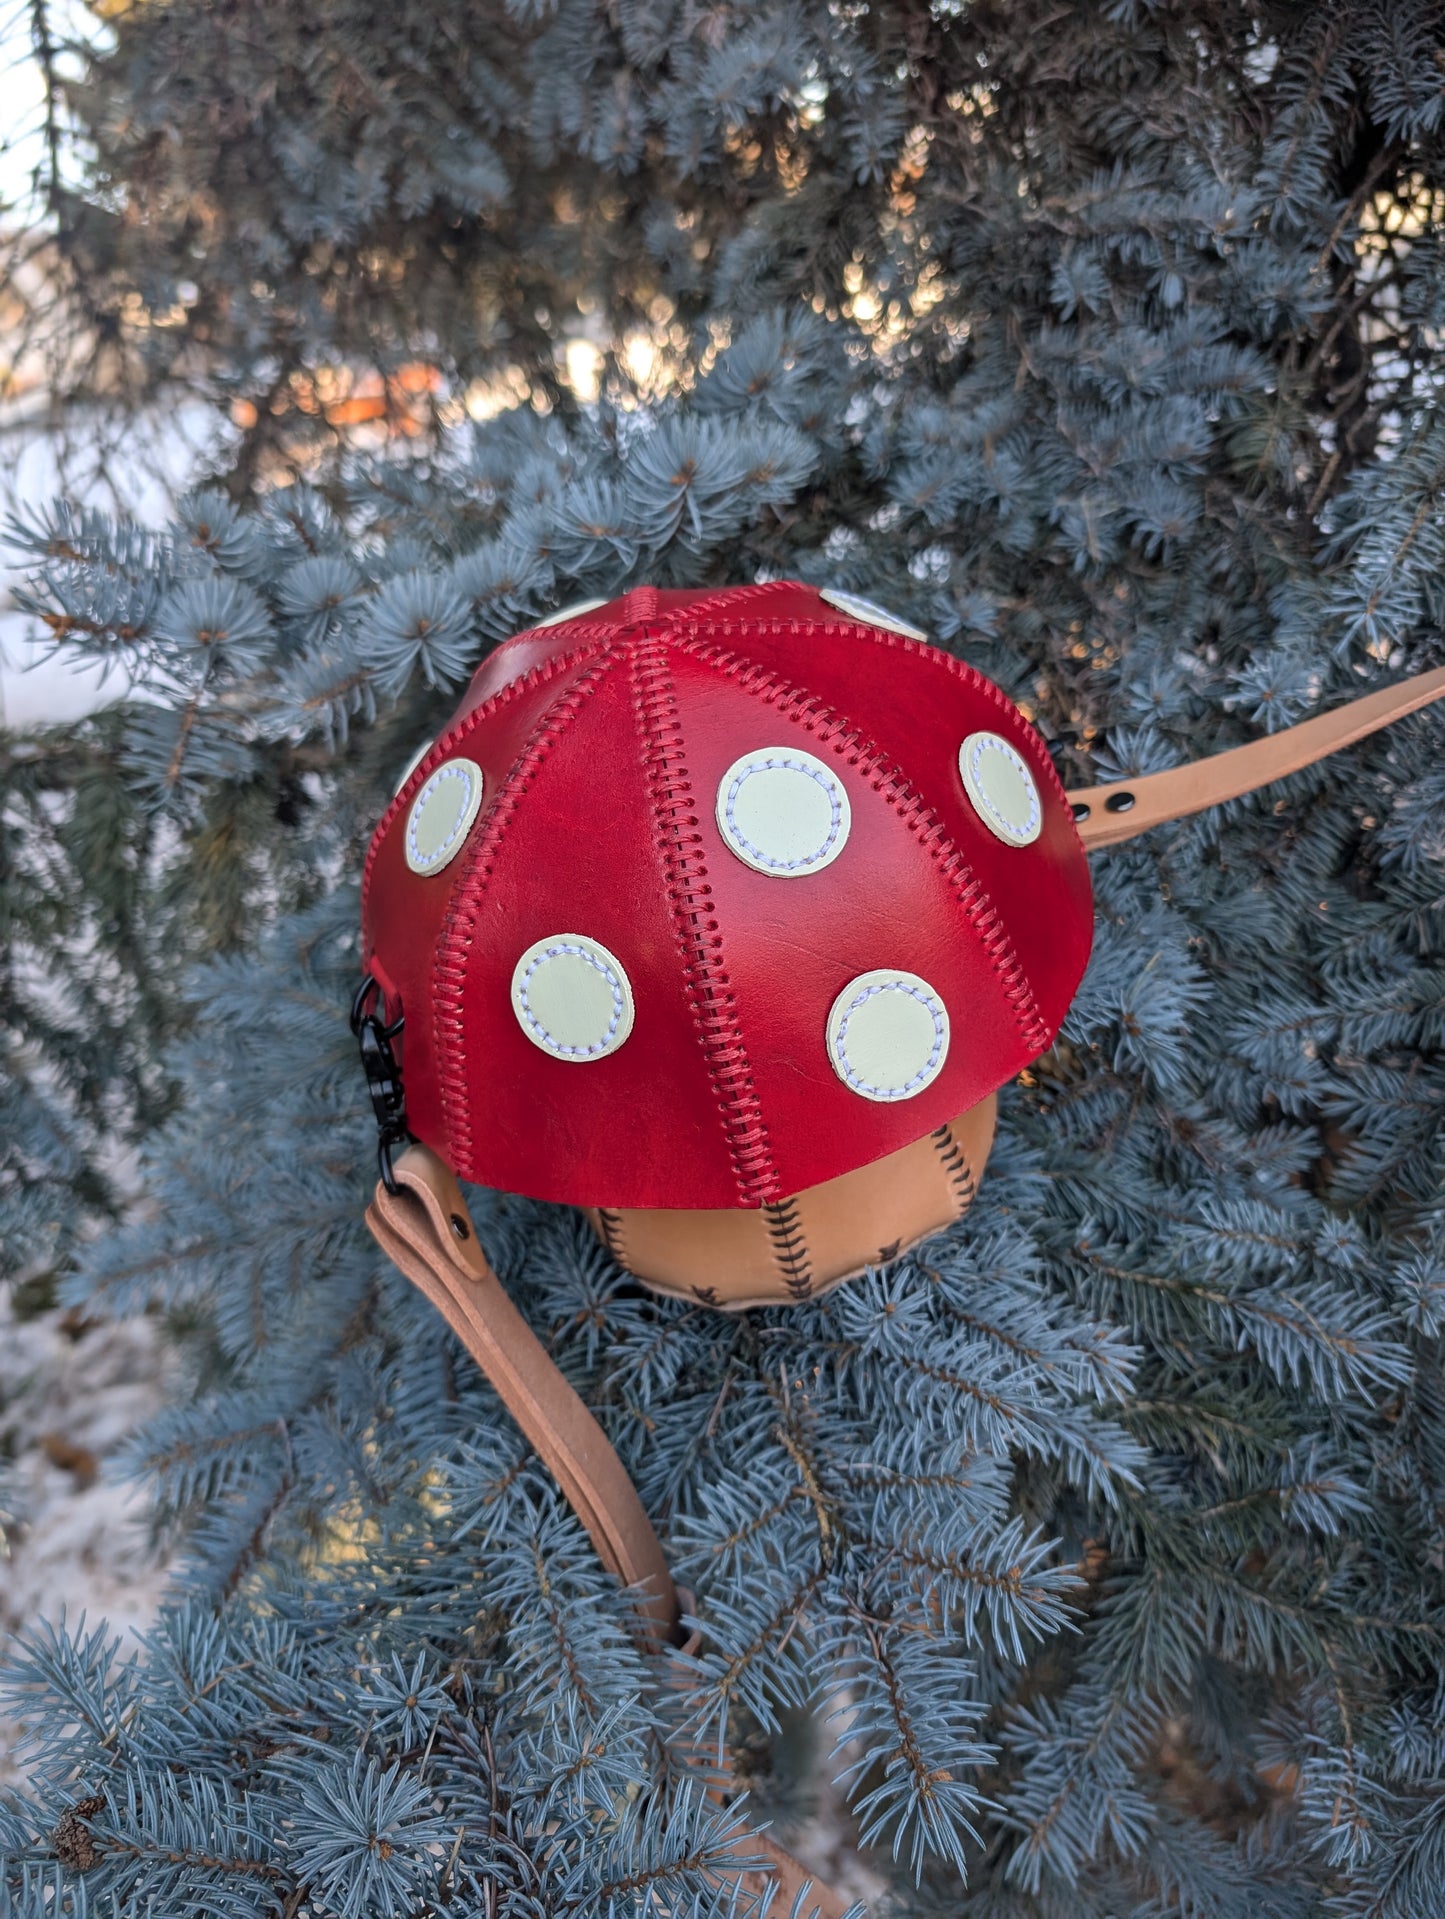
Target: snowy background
74	1537
77	1538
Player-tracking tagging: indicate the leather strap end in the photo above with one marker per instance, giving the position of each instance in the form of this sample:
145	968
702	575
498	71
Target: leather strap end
424	1228
424	1173
1107	815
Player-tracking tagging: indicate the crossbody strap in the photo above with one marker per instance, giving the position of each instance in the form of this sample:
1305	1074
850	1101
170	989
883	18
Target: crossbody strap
1107	814
424	1228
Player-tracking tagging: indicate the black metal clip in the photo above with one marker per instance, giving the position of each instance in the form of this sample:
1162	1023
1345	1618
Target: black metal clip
383	1075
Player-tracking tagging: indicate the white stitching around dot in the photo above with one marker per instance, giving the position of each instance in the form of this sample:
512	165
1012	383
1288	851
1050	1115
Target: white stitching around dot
931	1004
821	777
428	862
1018	834
619	1003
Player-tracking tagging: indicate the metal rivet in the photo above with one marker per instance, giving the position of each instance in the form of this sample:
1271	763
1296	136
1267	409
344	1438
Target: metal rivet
1081	809
1118	802
460	1227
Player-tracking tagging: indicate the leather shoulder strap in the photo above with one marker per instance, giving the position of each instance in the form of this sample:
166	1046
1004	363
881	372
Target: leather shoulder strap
424	1228
1106	815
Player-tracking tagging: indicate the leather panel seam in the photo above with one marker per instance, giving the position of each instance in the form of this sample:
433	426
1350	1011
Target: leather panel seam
789	1243
528	682
696	931
609	1224
887	779
459	926
956	1168
970	675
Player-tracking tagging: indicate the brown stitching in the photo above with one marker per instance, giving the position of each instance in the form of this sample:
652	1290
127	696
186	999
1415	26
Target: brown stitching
789	1242
534	677
609	1224
455	940
697	934
956	1167
886	778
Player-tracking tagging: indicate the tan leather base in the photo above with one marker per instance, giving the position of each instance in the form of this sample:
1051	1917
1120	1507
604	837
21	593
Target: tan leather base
773	1255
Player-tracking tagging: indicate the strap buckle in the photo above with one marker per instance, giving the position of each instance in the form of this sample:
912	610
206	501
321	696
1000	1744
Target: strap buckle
383	1075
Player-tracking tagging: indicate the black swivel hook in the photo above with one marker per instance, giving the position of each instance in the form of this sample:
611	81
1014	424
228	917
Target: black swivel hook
383	1075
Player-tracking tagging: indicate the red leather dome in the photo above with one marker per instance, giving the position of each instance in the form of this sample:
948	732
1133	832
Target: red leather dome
615	814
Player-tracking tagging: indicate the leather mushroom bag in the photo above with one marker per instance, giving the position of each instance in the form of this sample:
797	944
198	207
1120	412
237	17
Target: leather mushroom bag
792	889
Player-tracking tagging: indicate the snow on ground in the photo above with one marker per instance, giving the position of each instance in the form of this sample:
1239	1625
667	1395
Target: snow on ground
75	1537
827	1845
39	685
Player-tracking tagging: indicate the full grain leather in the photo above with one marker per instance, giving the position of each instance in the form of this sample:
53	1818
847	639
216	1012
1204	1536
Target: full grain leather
1159	797
603	742
738	1258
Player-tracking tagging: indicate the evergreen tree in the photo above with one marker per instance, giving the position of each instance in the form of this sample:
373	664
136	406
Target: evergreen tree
1102	342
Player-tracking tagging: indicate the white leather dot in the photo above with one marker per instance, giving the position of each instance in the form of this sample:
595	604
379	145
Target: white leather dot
1001	789
572	612
858	608
441	815
783	812
572	997
888	1035
412	764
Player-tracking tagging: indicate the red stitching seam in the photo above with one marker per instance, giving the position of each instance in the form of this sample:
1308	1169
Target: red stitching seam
727	596
971	676
459	926
889	780
584	622
699	940
444	742
917	649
